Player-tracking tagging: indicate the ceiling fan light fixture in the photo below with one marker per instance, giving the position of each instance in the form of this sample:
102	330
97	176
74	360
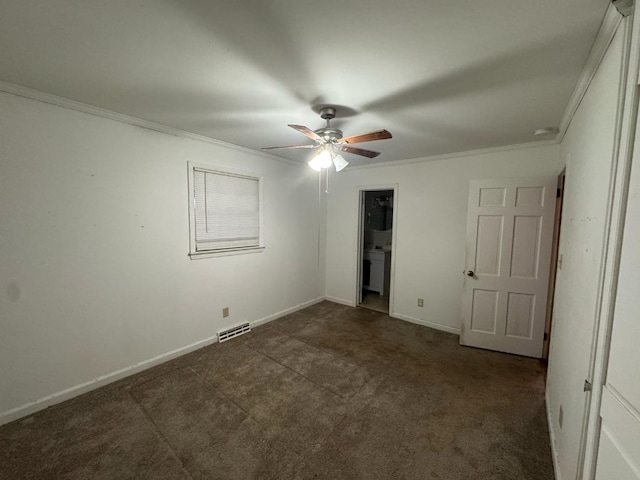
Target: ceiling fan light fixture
339	162
321	160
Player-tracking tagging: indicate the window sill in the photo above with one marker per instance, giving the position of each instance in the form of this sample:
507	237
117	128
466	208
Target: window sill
225	253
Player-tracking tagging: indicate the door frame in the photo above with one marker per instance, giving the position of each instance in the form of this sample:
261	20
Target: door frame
553	271
357	271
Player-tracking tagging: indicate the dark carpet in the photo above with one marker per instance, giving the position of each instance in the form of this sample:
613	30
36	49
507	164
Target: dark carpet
329	392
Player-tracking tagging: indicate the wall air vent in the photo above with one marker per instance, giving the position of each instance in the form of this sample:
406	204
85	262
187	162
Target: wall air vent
229	333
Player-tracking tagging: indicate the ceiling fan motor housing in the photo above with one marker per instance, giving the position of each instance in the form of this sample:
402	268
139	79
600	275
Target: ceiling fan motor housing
329	133
328	113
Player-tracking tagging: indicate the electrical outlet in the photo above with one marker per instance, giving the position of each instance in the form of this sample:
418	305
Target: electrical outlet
225	312
560	417
421	302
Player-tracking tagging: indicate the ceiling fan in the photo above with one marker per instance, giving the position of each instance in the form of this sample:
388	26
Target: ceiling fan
330	142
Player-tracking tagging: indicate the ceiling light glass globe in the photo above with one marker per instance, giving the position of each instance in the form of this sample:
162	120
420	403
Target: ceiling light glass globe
339	162
315	163
324	158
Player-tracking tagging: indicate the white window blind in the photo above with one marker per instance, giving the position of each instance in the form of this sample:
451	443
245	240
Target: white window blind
226	211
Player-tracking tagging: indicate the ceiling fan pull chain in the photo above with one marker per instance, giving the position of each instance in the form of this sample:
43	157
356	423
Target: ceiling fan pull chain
319	210
326	190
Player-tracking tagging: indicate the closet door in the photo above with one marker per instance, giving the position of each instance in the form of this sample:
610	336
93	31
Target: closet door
619	450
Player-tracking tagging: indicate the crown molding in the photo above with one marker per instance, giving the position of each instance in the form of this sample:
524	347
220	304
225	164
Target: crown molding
608	28
466	153
625	7
63	102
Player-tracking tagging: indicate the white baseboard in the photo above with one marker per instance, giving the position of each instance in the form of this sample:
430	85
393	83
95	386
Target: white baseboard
287	311
552	439
406	318
71	392
426	323
341	301
76	390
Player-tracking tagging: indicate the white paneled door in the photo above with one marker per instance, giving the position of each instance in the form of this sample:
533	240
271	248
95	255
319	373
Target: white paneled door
619	450
509	241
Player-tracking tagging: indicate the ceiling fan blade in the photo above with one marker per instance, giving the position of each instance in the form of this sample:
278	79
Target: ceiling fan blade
308	132
290	146
367	137
358	151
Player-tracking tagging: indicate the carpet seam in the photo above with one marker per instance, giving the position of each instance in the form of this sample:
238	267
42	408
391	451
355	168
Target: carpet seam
226	396
202	376
341	357
322	441
298	373
160	434
333	354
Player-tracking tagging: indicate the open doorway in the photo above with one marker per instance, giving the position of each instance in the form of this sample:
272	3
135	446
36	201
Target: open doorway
556	263
375	249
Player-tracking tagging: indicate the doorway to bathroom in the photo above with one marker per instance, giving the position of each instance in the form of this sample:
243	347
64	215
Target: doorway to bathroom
375	248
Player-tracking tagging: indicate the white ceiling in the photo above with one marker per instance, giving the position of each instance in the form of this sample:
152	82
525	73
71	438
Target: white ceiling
442	75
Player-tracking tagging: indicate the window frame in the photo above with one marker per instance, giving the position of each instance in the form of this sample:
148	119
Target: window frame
221	252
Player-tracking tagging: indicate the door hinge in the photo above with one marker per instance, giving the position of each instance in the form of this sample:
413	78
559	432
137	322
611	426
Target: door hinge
587	386
546	336
558	193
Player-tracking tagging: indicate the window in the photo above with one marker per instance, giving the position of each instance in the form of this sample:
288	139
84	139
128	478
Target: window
225	212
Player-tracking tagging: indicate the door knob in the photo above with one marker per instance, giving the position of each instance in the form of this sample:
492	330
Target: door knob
470	273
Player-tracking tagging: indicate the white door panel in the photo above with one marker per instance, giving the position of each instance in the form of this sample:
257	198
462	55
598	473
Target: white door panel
619	450
509	241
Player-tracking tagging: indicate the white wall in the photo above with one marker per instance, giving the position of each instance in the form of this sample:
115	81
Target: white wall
587	151
431	209
94	273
